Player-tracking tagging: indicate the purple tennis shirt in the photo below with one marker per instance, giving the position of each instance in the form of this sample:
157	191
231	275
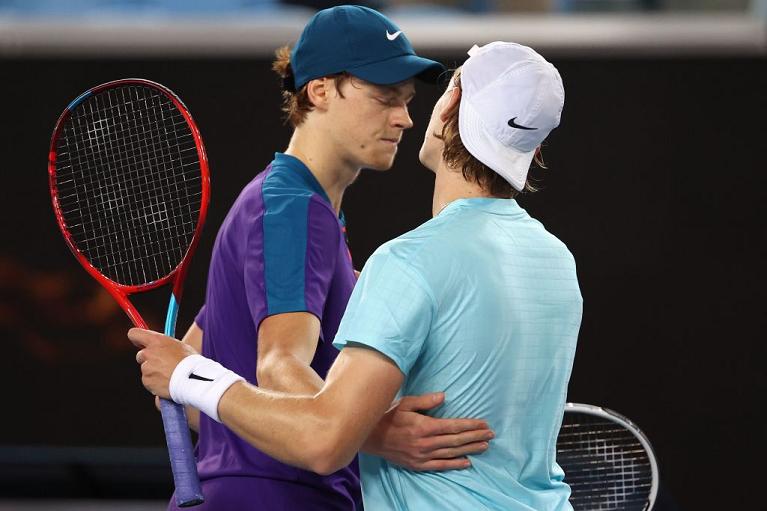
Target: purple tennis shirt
281	248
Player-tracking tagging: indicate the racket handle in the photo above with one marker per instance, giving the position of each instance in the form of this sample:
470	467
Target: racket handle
181	452
177	436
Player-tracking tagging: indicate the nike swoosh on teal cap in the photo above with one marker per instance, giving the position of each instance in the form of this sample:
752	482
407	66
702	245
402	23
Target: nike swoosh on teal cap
360	41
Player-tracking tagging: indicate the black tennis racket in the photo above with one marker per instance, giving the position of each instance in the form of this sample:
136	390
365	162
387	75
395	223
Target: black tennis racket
608	462
130	186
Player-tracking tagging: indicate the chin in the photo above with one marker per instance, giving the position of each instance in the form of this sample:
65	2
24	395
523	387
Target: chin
380	168
381	164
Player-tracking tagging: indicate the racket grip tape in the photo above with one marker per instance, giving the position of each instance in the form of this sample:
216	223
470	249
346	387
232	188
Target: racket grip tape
181	452
177	436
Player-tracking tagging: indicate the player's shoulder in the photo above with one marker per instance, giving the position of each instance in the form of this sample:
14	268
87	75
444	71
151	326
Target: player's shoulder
417	247
462	233
282	203
434	235
283	191
535	233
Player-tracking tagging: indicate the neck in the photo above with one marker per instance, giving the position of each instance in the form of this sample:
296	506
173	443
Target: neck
330	169
450	185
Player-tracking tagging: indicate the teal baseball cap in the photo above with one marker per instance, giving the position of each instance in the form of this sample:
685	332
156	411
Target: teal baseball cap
360	41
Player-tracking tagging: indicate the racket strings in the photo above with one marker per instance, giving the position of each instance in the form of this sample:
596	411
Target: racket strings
111	261
129	184
606	465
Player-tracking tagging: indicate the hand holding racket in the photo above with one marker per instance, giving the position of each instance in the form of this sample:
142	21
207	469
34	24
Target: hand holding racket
130	186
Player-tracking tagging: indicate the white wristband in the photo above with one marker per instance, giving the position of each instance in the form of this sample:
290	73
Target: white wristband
200	382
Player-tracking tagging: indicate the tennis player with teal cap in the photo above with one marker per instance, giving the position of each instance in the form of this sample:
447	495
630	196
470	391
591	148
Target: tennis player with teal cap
281	273
480	301
361	42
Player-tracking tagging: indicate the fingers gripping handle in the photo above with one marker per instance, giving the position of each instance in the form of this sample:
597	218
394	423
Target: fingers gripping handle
178	438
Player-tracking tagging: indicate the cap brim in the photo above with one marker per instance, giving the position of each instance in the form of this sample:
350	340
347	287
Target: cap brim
398	69
511	164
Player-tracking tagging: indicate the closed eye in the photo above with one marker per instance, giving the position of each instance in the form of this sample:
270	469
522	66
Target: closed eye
393	101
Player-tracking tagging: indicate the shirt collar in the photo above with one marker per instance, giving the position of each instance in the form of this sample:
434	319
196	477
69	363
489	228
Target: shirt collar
488	204
301	172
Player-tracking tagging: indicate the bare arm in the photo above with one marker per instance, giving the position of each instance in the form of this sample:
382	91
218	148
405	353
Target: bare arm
286	347
323	432
403	436
193	337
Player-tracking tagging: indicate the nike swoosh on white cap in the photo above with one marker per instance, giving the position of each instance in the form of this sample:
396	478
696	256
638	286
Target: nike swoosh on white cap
392	37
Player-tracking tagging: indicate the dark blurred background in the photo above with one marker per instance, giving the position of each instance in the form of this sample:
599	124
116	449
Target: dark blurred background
656	182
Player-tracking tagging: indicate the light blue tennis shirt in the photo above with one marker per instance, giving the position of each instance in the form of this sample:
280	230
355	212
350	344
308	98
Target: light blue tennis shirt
480	302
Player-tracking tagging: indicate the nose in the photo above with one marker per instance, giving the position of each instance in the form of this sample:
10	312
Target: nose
402	118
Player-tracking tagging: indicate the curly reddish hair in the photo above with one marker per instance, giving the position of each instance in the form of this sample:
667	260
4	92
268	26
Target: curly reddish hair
296	104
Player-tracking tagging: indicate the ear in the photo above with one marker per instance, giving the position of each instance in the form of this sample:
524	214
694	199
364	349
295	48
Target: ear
452	103
318	91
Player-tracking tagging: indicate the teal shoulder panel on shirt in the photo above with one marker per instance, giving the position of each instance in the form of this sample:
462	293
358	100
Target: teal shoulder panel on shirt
287	193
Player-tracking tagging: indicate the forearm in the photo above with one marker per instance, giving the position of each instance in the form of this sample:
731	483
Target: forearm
299	430
193	418
320	432
287	373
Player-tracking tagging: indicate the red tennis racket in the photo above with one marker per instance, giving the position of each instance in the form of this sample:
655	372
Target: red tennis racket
130	186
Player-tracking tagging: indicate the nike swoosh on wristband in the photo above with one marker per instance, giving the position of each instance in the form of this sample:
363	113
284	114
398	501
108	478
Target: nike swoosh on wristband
392	37
519	126
193	376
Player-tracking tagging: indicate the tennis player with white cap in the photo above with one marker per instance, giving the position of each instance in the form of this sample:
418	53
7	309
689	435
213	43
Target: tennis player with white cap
480	301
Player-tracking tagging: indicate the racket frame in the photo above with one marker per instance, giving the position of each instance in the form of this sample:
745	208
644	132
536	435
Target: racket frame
628	424
174	417
120	292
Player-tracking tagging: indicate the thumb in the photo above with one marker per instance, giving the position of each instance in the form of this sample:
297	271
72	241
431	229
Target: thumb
422	402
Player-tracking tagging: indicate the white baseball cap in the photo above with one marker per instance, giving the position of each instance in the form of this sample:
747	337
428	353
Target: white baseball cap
511	99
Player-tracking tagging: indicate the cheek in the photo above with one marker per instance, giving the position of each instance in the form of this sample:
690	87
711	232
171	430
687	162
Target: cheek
435	126
428	149
431	127
430	146
348	127
364	123
368	133
434	121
